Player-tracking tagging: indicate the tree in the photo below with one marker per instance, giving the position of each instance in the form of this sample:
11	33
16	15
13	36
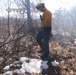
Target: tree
29	22
8	17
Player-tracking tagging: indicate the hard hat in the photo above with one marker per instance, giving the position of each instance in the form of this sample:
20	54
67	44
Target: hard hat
39	5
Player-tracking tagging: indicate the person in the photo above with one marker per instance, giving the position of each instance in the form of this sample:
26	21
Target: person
43	35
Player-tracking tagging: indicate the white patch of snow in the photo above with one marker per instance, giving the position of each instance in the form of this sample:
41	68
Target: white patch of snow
74	41
8	73
54	63
28	65
33	66
15	62
44	65
7	67
62	62
22	59
19	71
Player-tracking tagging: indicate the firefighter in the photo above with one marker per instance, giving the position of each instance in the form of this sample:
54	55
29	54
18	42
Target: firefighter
43	35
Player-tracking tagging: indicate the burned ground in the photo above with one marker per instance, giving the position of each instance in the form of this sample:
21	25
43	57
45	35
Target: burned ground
62	50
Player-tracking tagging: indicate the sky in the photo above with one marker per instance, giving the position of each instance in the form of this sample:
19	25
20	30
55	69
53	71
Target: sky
52	5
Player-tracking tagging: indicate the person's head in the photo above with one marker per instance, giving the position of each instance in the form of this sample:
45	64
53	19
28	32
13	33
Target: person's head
40	7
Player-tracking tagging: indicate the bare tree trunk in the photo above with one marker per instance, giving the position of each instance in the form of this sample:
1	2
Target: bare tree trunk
29	22
8	18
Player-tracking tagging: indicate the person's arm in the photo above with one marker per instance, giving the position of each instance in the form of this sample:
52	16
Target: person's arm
47	20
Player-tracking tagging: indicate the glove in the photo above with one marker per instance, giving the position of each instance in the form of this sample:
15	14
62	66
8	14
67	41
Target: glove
41	18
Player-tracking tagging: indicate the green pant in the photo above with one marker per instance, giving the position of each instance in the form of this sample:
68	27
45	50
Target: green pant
43	39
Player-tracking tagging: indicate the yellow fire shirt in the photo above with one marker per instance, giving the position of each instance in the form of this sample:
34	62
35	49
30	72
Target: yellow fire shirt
47	19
